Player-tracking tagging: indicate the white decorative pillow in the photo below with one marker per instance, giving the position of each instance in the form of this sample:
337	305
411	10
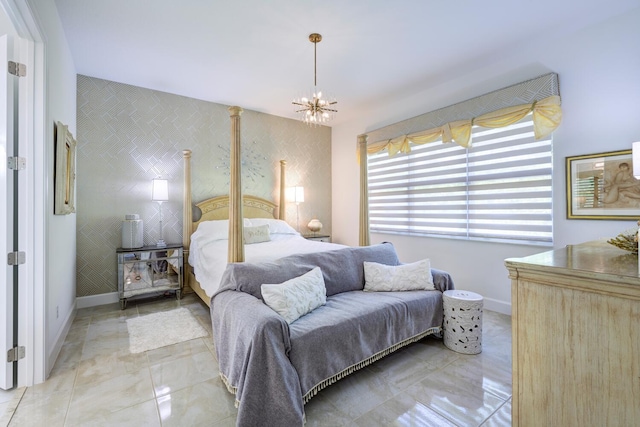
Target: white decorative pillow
296	297
403	277
256	234
276	226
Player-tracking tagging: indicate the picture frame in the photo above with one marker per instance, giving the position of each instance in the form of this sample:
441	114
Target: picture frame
64	175
602	186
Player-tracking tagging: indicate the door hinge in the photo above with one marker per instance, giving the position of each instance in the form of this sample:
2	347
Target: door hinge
16	258
17	69
14	354
16	163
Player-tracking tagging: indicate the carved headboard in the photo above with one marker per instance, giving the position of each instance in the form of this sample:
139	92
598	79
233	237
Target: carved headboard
218	208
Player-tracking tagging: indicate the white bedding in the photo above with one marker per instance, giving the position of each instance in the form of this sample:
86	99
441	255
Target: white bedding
209	246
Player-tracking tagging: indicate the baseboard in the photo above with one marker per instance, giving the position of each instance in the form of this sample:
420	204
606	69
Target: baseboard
497	305
95	300
59	341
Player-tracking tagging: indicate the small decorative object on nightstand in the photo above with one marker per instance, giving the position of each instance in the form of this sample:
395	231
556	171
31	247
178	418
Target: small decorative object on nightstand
148	270
314	225
318	237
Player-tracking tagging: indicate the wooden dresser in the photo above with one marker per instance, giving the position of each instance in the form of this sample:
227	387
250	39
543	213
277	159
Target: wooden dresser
576	337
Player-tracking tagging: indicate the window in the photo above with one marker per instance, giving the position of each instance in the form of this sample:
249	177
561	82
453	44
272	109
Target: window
500	189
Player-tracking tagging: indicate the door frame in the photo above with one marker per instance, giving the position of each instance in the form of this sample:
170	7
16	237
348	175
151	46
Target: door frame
32	207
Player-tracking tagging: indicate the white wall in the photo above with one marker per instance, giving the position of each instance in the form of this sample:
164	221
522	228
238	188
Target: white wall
60	105
599	74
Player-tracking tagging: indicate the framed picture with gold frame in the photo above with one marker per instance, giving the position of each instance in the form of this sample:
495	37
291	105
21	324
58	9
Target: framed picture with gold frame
64	175
602	186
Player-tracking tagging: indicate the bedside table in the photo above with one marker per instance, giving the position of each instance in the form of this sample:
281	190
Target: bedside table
318	237
147	270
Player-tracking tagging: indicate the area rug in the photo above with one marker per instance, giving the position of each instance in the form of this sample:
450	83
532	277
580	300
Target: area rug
162	329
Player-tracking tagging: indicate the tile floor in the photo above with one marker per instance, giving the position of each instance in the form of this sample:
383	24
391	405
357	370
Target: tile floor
96	381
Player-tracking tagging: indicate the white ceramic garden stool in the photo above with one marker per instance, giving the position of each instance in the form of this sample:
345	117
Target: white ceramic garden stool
462	321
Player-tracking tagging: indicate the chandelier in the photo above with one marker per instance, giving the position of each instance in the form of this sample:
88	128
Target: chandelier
315	109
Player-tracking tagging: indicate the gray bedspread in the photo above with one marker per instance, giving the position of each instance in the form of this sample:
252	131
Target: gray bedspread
274	367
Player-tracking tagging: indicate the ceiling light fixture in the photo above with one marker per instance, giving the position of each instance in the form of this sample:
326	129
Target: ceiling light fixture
315	110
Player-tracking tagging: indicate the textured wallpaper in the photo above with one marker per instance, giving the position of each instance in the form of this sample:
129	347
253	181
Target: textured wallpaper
129	135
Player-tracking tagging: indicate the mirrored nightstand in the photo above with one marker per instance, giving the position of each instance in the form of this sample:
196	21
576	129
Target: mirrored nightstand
149	269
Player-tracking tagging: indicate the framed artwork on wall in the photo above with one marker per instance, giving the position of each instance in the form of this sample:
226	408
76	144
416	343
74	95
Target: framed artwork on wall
602	186
64	175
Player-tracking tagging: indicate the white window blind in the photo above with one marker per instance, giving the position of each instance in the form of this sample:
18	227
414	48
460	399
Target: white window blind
500	189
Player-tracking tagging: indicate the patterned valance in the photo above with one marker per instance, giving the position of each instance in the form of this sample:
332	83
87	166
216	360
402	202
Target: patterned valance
503	107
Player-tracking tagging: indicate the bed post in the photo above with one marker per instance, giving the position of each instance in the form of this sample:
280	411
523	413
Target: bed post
364	192
281	213
236	244
187	217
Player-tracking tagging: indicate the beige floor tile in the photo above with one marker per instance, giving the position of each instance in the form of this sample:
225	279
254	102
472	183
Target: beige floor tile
105	346
58	382
481	373
103	367
176	351
495	324
466	404
11	399
200	404
78	330
359	393
98	310
7	395
401	369
174	375
69	356
433	351
49	411
403	411
6	412
501	418
143	414
121	391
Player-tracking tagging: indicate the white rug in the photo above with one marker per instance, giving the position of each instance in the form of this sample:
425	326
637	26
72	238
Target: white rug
162	329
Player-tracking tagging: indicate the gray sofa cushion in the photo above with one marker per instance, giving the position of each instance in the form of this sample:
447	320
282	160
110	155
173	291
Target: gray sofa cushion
342	269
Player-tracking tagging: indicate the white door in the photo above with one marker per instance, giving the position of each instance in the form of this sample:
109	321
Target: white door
8	216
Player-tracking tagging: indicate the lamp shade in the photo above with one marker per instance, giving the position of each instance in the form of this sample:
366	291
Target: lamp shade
635	156
295	194
160	190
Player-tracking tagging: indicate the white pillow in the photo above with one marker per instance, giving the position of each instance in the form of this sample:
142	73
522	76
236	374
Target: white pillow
256	234
296	297
403	277
276	226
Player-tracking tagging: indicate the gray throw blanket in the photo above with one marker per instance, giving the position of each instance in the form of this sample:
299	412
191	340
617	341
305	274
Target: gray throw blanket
273	367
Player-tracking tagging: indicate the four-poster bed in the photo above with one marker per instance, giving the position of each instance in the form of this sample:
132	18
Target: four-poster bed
234	212
218	209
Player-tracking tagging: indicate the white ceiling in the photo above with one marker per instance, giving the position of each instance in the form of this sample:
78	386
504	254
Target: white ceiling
256	53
